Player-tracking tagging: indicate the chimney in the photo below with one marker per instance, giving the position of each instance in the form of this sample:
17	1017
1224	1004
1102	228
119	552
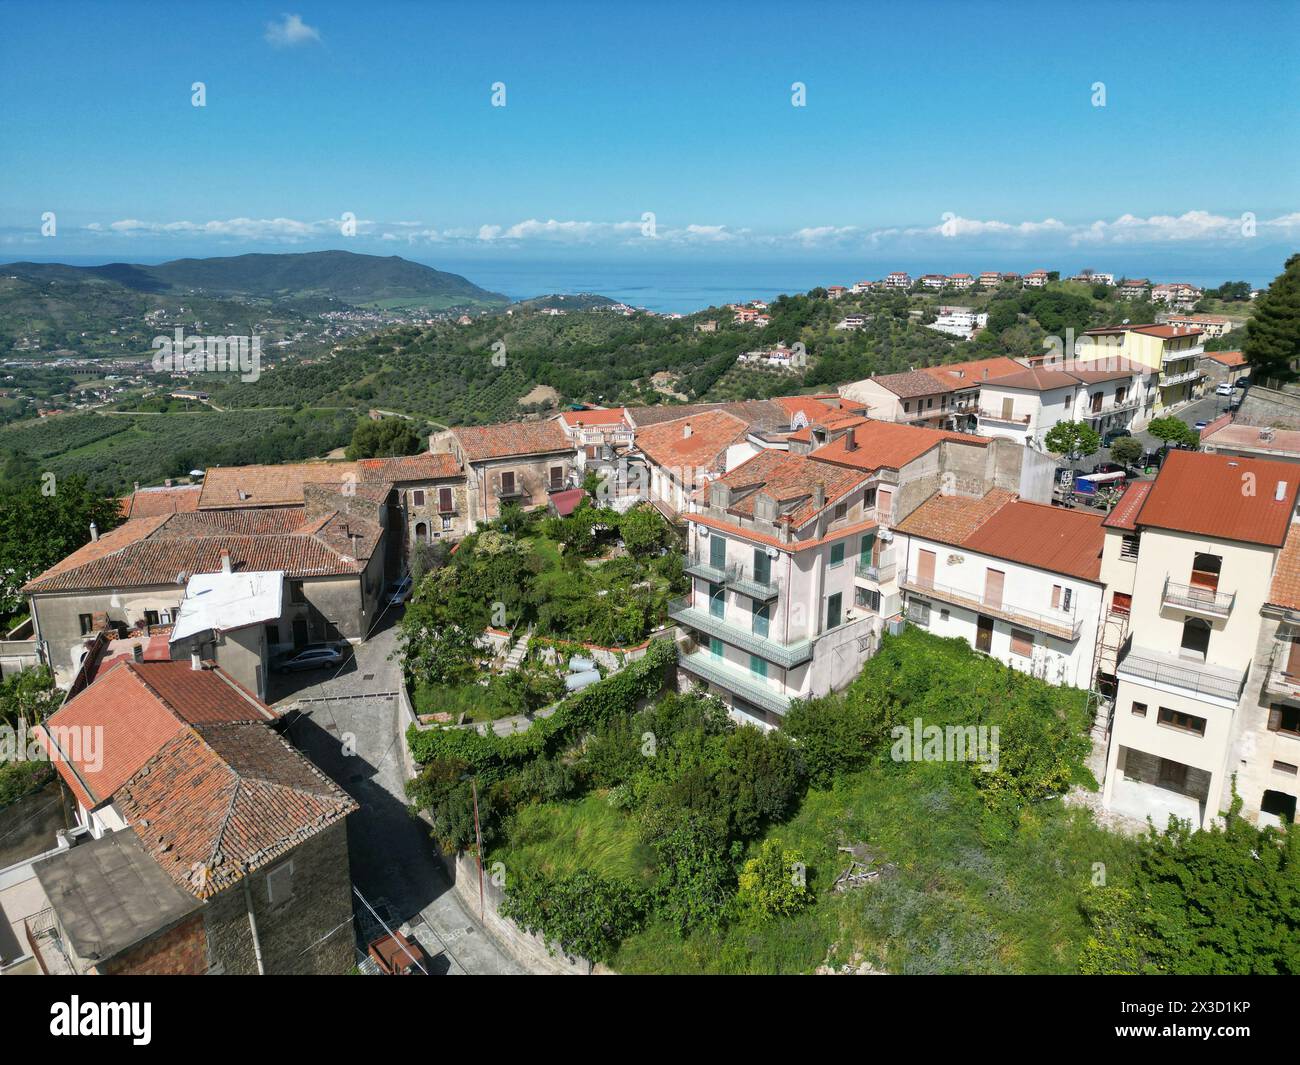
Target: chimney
167	483
986	373
94	532
137	486
196	659
1280	494
819	495
137	652
686	431
850	441
225	560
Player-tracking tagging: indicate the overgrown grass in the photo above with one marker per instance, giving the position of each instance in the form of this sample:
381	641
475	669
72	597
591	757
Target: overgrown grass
562	838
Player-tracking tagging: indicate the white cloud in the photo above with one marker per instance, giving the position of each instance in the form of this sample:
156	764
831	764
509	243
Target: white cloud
291	31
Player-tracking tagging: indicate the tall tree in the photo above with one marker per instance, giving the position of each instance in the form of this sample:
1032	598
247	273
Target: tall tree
1072	440
383	439
1272	344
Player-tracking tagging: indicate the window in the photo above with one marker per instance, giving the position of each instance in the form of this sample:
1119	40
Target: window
557	476
1196	638
151	617
762	566
762	618
446	523
272	633
757	666
1128	547
841	509
1139	709
1062	598
508	481
296	593
718	552
1286	767
279	883
833	609
421	531
1022	643
918	612
868	598
417	497
717	600
1205	571
445	501
1122	604
87	623
1279	804
869	499
1181	721
837	554
1285	719
715	647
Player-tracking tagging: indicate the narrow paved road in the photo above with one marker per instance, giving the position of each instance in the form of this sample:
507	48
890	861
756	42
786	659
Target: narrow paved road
348	725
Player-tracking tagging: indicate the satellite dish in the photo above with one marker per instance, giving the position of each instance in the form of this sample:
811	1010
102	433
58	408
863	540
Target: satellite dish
704	530
772	552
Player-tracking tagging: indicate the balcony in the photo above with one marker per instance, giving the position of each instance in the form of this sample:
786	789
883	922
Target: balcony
510	491
879	572
750	687
1199	600
1198	678
1053	623
1181	354
1279	679
734	577
1169	380
1006	419
1113	408
786	655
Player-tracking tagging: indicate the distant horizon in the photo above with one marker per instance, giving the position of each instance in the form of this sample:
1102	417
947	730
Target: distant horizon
685	285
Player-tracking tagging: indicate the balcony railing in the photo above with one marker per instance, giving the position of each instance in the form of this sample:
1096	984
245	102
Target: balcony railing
749	687
1184	353
510	491
1113	408
1143	664
1168	380
1200	600
734	576
1053	623
786	655
881	572
1280	679
994	416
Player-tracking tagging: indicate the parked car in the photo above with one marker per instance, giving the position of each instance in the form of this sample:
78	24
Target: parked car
1109	467
1113	435
399	591
315	656
1224	389
1201	425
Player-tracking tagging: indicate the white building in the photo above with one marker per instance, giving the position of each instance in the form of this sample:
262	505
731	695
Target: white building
1019	581
1200	593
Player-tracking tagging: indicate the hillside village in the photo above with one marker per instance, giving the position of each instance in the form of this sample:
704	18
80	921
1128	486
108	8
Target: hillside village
810	528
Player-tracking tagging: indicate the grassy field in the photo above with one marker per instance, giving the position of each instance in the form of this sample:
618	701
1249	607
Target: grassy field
563	838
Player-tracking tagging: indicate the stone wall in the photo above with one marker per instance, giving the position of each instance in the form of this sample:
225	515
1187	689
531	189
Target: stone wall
180	951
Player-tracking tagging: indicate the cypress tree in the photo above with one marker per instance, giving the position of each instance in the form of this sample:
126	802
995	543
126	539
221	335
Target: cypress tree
1272	344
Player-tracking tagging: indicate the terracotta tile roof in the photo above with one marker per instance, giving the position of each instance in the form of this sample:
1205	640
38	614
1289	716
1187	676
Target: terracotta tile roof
1107	369
150	502
269	486
1165	332
912	383
790	479
1125	512
1228	358
968	374
889	445
613	416
1231	434
221	800
756	413
1001	526
1038	379
1285	589
711	433
508	439
1223	496
811	407
949	519
136	708
156	551
426	466
566	502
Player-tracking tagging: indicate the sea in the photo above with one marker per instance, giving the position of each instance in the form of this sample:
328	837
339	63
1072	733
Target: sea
688	285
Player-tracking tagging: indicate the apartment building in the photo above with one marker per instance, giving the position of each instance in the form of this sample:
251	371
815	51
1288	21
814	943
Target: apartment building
1212	325
1017	580
990	279
1168	349
687	453
1191	562
1035	279
1177	294
510	462
960	281
1133	288
934	281
898	280
936	397
1025	406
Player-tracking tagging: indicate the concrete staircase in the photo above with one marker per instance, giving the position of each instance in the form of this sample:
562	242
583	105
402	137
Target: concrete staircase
517	653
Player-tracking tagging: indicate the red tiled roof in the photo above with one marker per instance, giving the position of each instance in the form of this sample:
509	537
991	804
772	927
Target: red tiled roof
889	445
426	466
223	799
509	439
789	479
269	486
130	711
566	502
156	551
1228	358
150	502
812	408
1223	496
1125	512
1285	589
967	374
614	416
1001	526
711	433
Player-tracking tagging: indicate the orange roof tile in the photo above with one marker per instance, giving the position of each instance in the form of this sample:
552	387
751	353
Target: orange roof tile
150	502
269	486
791	480
614	416
1228	358
479	443
1125	512
1223	496
1285	589
711	433
889	445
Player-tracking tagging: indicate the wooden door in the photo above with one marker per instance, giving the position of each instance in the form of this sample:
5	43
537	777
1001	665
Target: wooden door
925	569
984	634
994	579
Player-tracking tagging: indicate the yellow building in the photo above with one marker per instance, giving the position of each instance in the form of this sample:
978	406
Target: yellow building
1170	349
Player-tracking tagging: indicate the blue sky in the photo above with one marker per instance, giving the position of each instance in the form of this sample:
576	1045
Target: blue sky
978	113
